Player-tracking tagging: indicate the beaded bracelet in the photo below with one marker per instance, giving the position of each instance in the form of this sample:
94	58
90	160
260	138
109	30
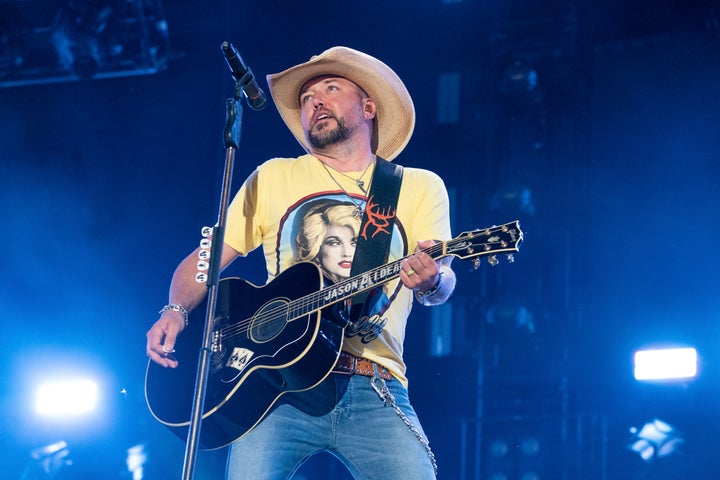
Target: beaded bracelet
178	308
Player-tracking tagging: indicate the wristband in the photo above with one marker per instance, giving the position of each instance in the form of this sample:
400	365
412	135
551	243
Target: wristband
422	295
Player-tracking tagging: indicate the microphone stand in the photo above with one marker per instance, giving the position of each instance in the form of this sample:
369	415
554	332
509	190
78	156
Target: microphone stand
231	137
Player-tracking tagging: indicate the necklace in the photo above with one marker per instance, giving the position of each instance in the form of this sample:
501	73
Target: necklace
358	213
358	181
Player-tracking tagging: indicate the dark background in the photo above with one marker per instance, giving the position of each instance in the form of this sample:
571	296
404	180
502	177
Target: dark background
609	161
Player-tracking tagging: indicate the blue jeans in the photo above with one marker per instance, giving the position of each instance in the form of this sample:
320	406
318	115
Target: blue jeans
364	433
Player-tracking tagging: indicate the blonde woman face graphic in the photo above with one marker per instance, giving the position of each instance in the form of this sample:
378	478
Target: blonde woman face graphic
337	250
328	237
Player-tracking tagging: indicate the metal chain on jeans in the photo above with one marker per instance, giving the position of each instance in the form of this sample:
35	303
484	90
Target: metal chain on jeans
384	393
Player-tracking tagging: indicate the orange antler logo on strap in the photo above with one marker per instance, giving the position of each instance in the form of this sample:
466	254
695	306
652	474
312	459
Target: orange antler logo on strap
378	218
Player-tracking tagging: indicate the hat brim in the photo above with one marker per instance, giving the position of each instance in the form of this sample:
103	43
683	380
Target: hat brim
395	115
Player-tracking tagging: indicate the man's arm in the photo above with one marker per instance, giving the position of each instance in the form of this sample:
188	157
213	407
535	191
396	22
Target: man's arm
188	293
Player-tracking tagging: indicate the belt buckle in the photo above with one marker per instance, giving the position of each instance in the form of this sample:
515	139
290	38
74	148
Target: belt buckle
353	364
347	363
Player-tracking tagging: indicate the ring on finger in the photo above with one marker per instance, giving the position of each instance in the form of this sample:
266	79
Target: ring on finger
410	272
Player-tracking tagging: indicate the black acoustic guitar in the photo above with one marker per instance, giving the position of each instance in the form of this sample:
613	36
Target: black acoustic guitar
270	342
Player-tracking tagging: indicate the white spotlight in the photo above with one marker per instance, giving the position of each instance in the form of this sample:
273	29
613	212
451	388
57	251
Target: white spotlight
668	363
63	398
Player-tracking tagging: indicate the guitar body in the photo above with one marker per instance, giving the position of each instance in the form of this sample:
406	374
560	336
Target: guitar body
259	353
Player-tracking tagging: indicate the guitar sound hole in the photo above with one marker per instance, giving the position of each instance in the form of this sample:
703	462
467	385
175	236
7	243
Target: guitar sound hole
269	321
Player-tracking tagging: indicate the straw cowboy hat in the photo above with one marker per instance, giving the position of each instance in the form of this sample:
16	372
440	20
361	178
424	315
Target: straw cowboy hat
395	118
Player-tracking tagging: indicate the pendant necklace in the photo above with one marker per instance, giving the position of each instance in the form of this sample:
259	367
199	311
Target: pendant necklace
358	213
358	181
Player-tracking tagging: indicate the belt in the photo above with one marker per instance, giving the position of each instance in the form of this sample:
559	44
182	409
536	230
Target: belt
350	364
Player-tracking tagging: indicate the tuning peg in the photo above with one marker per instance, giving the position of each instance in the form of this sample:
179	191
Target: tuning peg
510	258
206	231
492	260
476	263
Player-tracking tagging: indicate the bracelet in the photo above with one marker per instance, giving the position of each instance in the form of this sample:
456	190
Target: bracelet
178	308
429	293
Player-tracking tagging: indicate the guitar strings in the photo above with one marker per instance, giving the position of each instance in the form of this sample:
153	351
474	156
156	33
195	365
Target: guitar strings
298	307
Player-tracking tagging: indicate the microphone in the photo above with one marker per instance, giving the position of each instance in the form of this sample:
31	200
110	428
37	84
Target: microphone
244	77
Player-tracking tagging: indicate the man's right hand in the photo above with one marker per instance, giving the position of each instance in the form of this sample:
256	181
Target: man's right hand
162	336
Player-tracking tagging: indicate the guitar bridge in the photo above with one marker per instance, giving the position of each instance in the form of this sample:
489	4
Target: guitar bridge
216	346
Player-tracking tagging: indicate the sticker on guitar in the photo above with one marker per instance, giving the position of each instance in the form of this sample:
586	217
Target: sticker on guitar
239	358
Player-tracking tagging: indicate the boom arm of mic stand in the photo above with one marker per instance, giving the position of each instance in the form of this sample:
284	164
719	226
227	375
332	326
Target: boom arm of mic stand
231	138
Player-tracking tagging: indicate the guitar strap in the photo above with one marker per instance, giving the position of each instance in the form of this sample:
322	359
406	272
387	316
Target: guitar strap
373	243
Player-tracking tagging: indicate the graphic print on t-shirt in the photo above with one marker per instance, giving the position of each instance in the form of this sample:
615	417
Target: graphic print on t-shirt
324	230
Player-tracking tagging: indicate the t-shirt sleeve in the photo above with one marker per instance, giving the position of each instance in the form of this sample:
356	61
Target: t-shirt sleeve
242	231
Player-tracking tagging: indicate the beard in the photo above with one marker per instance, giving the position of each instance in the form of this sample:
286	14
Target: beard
327	136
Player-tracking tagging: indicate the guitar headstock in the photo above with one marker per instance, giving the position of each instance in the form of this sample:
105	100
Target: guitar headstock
486	242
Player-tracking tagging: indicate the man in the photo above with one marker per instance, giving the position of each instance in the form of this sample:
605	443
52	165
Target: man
349	111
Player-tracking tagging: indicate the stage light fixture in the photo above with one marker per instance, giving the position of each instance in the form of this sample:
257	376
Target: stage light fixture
656	439
66	398
665	364
77	32
81	40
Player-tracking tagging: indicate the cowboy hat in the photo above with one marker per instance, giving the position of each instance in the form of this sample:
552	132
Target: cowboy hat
395	118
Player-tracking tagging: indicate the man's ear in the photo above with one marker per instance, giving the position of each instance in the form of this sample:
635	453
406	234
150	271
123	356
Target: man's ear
369	107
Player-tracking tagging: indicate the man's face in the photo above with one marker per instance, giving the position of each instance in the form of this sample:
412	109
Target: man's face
331	109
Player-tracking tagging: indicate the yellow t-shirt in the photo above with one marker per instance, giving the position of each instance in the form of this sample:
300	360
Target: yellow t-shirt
286	206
